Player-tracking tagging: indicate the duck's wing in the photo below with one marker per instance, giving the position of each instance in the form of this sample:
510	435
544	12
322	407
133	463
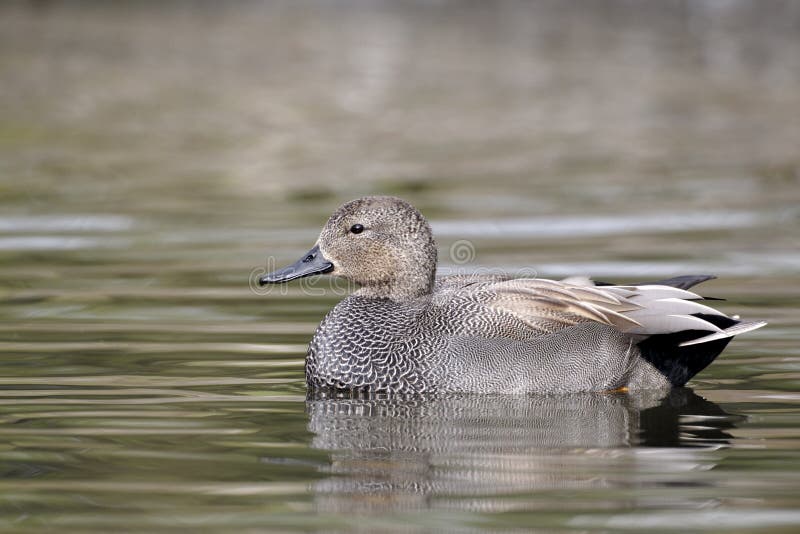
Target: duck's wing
549	305
641	310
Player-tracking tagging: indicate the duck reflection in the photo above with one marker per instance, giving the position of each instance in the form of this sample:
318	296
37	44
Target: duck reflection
477	451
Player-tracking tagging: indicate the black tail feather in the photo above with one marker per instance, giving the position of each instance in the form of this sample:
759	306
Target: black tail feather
681	282
679	364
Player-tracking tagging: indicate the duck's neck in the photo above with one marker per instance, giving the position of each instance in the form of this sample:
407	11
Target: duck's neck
411	279
400	289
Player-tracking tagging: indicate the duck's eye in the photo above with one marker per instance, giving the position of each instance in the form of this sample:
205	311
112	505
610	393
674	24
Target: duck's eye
357	228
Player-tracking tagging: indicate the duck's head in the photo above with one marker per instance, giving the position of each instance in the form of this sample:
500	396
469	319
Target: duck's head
382	243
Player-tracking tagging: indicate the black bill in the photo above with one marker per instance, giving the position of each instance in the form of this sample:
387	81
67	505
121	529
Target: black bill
313	262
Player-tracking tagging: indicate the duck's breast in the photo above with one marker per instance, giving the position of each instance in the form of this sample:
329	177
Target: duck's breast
373	344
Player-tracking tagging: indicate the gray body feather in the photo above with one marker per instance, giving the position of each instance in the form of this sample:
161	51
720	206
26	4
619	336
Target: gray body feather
428	347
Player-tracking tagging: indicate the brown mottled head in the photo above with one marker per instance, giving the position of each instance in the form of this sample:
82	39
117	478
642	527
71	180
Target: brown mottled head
382	243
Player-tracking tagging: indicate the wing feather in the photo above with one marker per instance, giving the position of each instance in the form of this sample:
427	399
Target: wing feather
639	310
731	331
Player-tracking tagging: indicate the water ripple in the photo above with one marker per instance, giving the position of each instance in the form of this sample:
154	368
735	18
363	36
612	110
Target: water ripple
593	225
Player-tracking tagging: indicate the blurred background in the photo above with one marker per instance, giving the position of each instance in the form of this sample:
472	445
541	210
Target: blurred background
154	155
582	133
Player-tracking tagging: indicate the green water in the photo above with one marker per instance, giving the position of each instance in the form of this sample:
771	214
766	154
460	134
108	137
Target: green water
154	158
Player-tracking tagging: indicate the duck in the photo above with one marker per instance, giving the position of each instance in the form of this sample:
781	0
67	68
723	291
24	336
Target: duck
406	331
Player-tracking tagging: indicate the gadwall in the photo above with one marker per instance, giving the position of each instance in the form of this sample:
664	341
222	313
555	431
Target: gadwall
406	331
